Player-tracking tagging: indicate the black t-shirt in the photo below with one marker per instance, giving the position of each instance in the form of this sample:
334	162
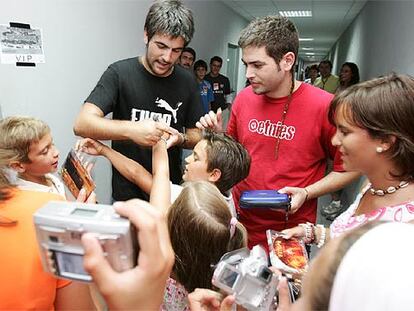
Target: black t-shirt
129	91
221	88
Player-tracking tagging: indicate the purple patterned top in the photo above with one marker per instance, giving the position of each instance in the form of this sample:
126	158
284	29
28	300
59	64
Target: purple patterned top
175	297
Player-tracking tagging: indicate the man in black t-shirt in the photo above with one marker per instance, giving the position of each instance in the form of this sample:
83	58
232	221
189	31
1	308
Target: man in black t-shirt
219	83
148	96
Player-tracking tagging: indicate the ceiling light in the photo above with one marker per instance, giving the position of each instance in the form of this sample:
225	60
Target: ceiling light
310	53
305	39
296	13
307	49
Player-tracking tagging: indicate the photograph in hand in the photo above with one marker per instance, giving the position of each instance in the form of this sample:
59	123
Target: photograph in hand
75	175
288	255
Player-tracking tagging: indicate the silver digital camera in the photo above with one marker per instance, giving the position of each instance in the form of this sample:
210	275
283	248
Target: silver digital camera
246	275
60	225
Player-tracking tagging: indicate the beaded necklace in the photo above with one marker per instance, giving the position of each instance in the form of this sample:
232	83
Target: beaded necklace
389	190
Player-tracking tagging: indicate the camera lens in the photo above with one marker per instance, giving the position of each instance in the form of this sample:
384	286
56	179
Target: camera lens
53	238
265	274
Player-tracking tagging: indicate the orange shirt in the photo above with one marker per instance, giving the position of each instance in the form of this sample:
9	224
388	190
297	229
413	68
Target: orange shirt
23	283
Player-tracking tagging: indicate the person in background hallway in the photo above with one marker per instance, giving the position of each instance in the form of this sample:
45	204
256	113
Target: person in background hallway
220	84
221	89
349	75
143	89
268	119
327	81
313	74
187	58
206	92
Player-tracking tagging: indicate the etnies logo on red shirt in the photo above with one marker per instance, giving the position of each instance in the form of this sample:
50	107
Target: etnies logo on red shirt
270	129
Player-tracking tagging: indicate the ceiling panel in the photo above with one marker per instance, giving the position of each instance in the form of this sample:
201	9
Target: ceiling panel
330	18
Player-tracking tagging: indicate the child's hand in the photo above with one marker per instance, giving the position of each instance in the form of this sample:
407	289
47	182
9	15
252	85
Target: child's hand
205	299
297	232
172	139
90	146
91	199
212	121
284	296
148	132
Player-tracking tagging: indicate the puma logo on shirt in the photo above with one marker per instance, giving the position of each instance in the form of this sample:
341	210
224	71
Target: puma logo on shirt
163	104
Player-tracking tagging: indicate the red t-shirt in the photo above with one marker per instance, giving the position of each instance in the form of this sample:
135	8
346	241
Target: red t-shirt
305	145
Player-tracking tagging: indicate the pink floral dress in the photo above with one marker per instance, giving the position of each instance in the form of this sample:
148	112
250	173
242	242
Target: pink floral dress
403	212
175	297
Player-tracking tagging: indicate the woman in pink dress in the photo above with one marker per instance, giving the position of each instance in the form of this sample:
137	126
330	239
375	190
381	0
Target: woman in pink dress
375	135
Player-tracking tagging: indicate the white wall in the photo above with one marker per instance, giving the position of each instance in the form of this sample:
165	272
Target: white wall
81	38
379	40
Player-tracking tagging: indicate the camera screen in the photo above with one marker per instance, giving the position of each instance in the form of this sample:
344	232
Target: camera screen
72	263
84	212
229	277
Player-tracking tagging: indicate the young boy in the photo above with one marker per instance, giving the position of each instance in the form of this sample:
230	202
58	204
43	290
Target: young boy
33	155
28	153
206	91
216	158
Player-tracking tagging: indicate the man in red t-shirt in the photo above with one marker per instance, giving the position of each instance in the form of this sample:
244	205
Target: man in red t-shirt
284	125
